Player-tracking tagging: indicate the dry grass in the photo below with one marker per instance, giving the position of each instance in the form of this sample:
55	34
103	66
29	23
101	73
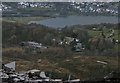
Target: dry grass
54	50
12	49
81	66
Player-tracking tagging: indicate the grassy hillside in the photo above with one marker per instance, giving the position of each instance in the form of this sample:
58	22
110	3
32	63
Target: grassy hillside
80	66
58	60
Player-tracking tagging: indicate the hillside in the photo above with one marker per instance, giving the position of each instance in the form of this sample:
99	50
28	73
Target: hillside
60	59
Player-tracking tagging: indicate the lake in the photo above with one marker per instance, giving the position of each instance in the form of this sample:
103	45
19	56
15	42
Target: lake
76	20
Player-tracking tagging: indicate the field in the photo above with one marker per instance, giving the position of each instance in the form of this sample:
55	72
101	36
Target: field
80	66
23	19
97	33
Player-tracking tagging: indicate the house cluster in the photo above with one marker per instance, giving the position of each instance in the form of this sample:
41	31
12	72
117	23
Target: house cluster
81	6
32	5
4	7
74	43
96	7
84	7
8	74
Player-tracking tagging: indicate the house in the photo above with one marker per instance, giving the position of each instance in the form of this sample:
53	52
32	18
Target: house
33	47
78	47
32	44
68	40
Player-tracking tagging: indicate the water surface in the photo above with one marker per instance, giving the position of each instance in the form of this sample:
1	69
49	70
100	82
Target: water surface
75	20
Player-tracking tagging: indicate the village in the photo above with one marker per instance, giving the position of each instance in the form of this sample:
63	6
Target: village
51	42
81	7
